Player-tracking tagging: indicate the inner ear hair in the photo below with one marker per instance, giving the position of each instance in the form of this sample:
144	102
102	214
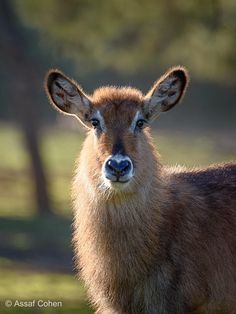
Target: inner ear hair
167	91
172	85
65	94
56	81
67	97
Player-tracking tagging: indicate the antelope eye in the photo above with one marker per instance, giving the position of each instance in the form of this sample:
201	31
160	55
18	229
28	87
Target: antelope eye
140	123
95	123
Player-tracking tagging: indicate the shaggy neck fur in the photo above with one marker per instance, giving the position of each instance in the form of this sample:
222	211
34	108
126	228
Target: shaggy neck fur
111	227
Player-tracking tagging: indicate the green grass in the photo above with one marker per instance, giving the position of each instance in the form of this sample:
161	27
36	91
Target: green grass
195	150
13	153
20	283
39	265
37	236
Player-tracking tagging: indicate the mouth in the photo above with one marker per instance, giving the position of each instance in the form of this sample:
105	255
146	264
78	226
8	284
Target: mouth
117	183
118	178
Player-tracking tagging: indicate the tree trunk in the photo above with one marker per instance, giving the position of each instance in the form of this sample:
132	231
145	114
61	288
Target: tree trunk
24	73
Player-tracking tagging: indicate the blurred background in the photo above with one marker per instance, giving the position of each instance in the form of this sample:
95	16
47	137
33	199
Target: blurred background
97	43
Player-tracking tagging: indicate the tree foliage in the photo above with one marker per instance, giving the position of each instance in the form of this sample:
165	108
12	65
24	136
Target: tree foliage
136	35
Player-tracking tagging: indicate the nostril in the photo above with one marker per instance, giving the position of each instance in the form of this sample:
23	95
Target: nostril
125	166
112	165
118	168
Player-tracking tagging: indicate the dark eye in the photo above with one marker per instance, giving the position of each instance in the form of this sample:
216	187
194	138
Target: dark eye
140	123
95	123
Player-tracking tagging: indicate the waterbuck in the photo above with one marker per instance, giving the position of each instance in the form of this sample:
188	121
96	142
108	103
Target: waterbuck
148	238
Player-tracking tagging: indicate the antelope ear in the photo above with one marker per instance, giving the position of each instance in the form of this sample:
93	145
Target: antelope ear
166	92
67	97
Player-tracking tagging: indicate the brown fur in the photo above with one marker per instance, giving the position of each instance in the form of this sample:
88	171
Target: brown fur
164	244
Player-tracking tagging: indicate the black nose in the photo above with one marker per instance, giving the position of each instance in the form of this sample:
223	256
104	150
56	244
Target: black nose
118	168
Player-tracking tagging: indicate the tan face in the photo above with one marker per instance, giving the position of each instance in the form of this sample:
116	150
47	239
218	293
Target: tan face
118	131
118	119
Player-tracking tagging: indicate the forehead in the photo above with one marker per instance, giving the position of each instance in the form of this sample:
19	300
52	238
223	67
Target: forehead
118	105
